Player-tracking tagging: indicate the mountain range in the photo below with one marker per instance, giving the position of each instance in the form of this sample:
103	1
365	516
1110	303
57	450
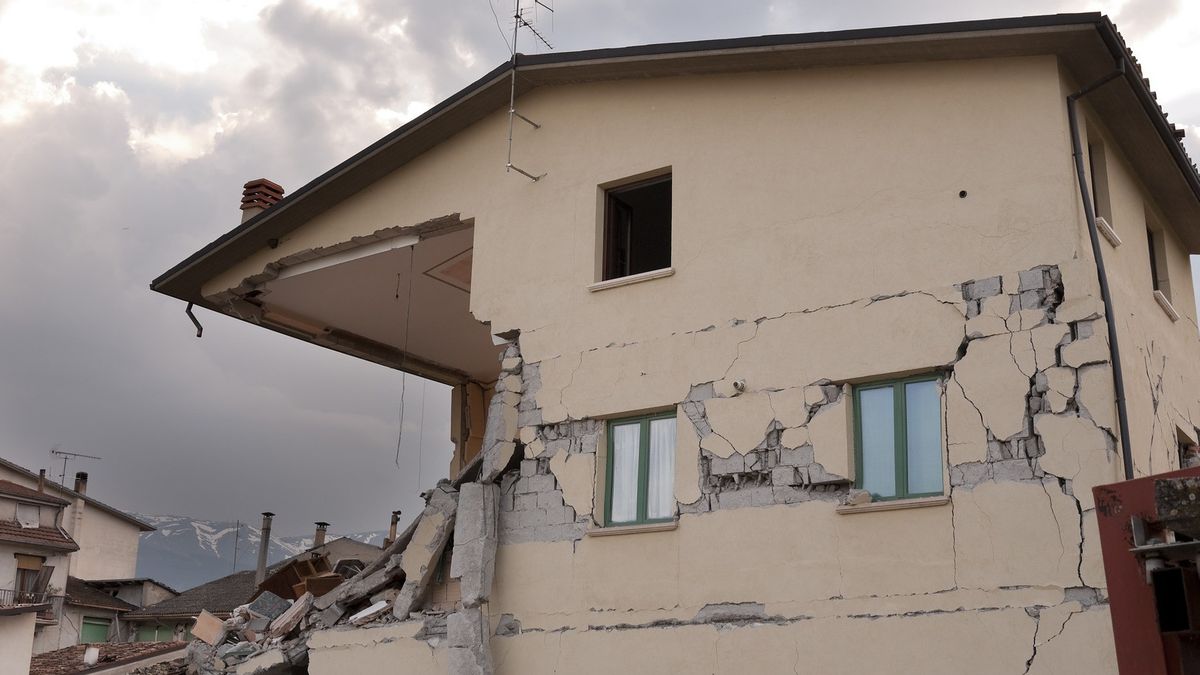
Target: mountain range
185	552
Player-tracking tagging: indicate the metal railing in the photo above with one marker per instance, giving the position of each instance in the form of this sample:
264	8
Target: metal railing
15	598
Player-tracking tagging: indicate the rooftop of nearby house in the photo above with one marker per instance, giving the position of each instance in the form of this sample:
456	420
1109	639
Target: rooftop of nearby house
22	493
69	660
72	494
83	594
51	538
219	597
132	581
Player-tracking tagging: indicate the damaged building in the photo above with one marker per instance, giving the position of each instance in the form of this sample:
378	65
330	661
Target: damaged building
772	349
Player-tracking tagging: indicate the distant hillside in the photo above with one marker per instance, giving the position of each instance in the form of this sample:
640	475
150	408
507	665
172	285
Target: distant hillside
185	552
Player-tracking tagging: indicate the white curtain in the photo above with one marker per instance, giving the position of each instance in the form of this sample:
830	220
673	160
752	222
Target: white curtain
660	496
625	472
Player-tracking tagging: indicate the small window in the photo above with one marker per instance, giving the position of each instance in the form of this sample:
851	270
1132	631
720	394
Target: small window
1158	262
1099	173
637	228
641	470
898	438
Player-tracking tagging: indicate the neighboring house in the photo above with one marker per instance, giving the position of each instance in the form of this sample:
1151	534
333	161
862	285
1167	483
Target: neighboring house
34	563
107	536
173	618
87	539
805	351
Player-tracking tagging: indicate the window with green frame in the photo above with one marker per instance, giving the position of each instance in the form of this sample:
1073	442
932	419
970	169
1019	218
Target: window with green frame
898	437
640	478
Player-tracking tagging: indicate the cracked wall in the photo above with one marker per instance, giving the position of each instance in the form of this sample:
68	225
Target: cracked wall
778	285
764	461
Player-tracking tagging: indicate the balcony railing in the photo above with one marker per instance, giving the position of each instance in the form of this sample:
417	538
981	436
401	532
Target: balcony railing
14	598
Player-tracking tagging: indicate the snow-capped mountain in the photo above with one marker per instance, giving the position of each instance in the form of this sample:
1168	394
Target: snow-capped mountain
185	552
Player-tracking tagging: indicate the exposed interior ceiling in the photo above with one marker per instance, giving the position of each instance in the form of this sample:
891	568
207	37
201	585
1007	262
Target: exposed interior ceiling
414	299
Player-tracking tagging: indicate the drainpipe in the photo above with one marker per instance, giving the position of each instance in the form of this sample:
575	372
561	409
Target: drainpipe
264	542
1105	295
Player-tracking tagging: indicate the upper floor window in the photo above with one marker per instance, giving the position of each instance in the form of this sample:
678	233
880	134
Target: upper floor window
637	228
1099	172
641	470
1159	280
898	438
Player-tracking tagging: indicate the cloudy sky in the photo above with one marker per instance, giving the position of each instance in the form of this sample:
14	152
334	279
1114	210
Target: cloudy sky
127	128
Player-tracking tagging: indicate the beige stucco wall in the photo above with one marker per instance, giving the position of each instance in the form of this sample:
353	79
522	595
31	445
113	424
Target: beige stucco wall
817	234
16	643
1160	357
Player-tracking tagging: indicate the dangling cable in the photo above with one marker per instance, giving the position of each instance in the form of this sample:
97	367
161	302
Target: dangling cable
404	352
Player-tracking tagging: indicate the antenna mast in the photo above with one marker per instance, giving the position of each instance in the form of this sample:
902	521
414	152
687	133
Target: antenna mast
520	22
62	478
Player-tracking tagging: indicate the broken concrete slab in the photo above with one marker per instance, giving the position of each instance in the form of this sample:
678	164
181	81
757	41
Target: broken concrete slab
269	605
829	432
420	557
1086	351
371	613
285	623
475	540
209	628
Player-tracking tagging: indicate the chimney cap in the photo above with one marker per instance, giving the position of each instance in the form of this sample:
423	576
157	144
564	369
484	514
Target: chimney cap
81	475
260	193
268	514
321	524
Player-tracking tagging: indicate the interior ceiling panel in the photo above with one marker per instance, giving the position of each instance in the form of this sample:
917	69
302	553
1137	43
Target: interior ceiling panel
415	299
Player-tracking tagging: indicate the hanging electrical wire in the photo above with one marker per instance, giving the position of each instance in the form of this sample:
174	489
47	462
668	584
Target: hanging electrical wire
404	349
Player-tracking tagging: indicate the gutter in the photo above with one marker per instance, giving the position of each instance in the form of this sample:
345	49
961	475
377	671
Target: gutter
1110	318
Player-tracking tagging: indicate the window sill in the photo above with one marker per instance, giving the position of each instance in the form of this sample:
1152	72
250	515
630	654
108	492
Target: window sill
631	279
894	505
1166	305
632	529
1107	230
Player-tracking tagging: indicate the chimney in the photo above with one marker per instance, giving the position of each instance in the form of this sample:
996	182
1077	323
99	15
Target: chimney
263	544
392	529
258	195
319	537
81	482
42	480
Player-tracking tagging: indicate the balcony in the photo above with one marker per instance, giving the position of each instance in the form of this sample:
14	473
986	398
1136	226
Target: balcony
46	614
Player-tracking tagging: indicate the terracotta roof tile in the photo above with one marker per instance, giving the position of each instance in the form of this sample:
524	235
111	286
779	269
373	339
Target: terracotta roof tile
45	537
69	661
79	592
11	489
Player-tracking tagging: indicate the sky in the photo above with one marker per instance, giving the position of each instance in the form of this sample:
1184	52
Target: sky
127	128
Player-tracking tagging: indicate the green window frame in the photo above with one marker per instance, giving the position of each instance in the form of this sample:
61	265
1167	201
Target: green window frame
643	468
94	629
900	437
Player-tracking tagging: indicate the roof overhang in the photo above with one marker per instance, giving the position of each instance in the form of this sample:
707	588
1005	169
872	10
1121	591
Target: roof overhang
1087	44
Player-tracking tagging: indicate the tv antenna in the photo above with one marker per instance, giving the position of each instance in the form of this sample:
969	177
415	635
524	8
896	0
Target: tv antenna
62	477
520	21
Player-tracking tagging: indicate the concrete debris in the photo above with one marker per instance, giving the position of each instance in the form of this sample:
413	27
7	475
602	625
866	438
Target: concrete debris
422	553
475	539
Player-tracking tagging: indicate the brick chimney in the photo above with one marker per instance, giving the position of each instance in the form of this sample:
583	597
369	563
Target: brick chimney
319	537
81	482
42	480
258	195
264	543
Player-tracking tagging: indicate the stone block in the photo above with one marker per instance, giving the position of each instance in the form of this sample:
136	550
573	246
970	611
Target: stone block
540	483
800	456
982	288
723	466
510	364
1031	299
1012	469
529	467
1031	280
525	502
969	473
783	475
549	500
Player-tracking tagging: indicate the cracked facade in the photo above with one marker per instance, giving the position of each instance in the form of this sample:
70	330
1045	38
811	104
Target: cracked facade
813	252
